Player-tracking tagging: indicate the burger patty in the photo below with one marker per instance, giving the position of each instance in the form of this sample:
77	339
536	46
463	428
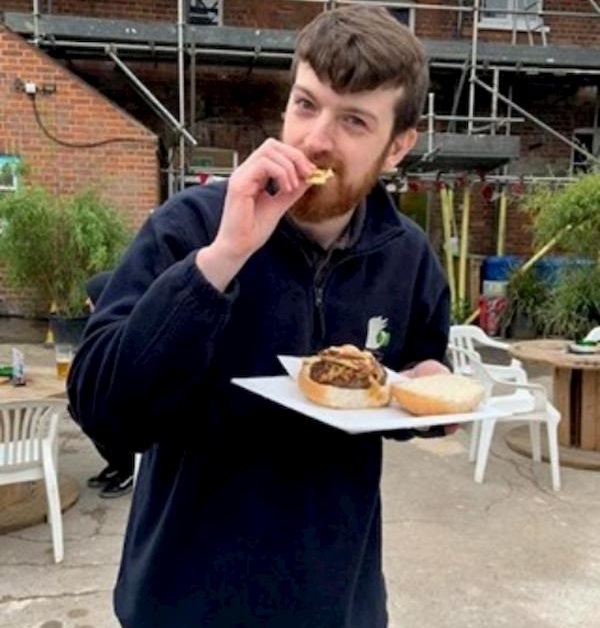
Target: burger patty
347	371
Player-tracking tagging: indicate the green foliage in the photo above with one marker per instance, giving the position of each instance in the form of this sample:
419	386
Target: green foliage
570	216
527	295
460	311
571	212
573	306
53	244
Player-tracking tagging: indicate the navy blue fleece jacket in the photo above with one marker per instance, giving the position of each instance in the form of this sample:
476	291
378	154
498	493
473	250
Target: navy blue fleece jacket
246	514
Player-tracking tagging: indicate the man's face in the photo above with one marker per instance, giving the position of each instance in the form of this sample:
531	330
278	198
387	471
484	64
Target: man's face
349	133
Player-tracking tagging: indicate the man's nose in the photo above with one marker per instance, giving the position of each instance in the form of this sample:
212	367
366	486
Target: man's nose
320	135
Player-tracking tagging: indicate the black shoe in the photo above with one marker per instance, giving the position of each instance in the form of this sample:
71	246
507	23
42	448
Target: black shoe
121	484
103	478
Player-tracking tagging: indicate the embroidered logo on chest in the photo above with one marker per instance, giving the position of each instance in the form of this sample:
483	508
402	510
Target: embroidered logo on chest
377	334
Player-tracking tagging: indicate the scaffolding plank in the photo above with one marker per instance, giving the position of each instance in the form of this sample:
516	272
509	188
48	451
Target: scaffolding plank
243	39
64	27
459	152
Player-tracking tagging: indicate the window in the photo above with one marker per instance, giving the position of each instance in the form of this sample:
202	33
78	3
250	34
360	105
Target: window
9	172
497	14
589	139
205	12
404	15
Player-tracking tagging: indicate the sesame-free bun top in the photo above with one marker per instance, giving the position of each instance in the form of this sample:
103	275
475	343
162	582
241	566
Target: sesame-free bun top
442	393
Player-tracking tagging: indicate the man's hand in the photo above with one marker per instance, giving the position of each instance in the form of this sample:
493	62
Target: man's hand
250	212
428	367
431	367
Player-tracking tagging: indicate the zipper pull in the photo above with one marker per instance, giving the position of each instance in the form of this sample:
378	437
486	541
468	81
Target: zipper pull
318	296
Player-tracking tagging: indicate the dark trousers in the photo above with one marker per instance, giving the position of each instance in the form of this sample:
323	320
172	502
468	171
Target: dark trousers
121	460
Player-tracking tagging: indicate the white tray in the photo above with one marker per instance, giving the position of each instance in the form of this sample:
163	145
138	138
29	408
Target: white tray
282	389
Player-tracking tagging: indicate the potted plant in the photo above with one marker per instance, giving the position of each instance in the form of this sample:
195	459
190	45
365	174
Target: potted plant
573	306
52	244
569	217
526	296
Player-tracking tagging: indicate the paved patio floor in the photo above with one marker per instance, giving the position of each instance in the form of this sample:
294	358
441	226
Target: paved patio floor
509	553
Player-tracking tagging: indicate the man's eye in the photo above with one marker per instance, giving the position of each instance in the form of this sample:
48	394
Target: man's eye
355	121
304	103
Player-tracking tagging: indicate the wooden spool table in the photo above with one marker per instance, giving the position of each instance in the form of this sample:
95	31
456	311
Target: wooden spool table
24	504
576	388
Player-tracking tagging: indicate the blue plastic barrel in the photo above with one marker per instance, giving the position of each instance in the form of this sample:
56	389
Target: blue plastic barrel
550	268
499	267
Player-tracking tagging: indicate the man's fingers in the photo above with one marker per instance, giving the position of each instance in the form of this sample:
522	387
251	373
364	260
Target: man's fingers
427	367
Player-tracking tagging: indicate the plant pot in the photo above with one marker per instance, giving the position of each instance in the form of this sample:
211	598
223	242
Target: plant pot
68	330
522	327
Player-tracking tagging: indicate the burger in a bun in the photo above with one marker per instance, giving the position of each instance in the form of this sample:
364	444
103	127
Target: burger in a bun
344	377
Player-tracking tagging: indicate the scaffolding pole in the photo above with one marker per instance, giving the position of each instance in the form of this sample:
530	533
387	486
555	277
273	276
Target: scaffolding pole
471	65
181	83
36	22
473	69
162	110
537	121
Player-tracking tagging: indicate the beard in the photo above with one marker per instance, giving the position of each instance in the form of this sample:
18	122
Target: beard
337	196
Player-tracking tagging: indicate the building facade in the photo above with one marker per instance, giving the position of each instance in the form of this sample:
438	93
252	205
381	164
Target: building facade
514	96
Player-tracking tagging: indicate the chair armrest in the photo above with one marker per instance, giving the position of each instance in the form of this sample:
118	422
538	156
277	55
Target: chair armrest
513	373
538	391
486	375
514	363
495	344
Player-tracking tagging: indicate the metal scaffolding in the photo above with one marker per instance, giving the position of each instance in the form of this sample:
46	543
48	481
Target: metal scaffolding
234	46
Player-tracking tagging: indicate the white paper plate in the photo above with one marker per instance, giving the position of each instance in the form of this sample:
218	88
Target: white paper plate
282	389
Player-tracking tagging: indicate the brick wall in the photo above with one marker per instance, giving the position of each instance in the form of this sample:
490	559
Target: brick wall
563	30
268	14
436	23
115	9
124	172
253	13
237	107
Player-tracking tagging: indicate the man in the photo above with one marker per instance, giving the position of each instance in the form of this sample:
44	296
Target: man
116	478
246	514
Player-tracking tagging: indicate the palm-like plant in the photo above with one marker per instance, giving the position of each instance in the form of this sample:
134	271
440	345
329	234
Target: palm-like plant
570	217
53	244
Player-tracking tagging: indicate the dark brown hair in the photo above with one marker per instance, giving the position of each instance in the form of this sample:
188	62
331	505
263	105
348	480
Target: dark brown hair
358	48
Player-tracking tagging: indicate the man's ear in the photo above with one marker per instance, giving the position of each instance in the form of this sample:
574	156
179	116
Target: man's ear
399	147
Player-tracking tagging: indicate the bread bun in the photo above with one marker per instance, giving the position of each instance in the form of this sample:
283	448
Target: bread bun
442	393
344	377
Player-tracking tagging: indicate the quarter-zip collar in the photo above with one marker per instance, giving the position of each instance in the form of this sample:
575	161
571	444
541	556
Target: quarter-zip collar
373	223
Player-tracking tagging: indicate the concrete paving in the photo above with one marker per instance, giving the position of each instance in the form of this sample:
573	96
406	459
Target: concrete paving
506	553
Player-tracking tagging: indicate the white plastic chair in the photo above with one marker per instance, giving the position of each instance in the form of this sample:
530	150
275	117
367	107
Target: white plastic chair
466	339
527	402
594	335
470	338
29	451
